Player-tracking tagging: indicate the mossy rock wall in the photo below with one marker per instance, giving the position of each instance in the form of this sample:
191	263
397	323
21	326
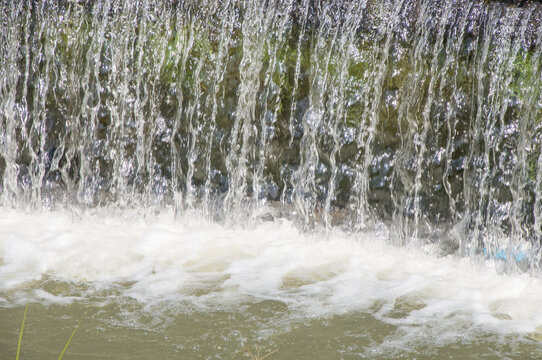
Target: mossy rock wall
423	111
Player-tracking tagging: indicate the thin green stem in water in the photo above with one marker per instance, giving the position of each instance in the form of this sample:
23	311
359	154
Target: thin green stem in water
21	333
71	337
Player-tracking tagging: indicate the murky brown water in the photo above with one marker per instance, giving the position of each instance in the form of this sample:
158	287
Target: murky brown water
125	330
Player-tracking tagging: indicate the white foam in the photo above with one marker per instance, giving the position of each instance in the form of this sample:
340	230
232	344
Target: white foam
205	264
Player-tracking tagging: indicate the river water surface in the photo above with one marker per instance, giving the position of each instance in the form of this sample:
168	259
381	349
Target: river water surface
167	287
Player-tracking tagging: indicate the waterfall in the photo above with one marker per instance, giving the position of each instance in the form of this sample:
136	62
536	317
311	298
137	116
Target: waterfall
422	114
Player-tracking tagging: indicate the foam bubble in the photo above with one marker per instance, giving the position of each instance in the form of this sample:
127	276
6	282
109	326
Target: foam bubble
192	261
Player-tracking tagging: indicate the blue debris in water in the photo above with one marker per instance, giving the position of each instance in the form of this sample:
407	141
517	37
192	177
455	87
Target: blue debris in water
502	254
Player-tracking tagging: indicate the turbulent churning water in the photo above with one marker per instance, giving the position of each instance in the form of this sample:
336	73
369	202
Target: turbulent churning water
211	154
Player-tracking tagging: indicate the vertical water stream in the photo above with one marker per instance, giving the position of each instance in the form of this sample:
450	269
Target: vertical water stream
422	114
